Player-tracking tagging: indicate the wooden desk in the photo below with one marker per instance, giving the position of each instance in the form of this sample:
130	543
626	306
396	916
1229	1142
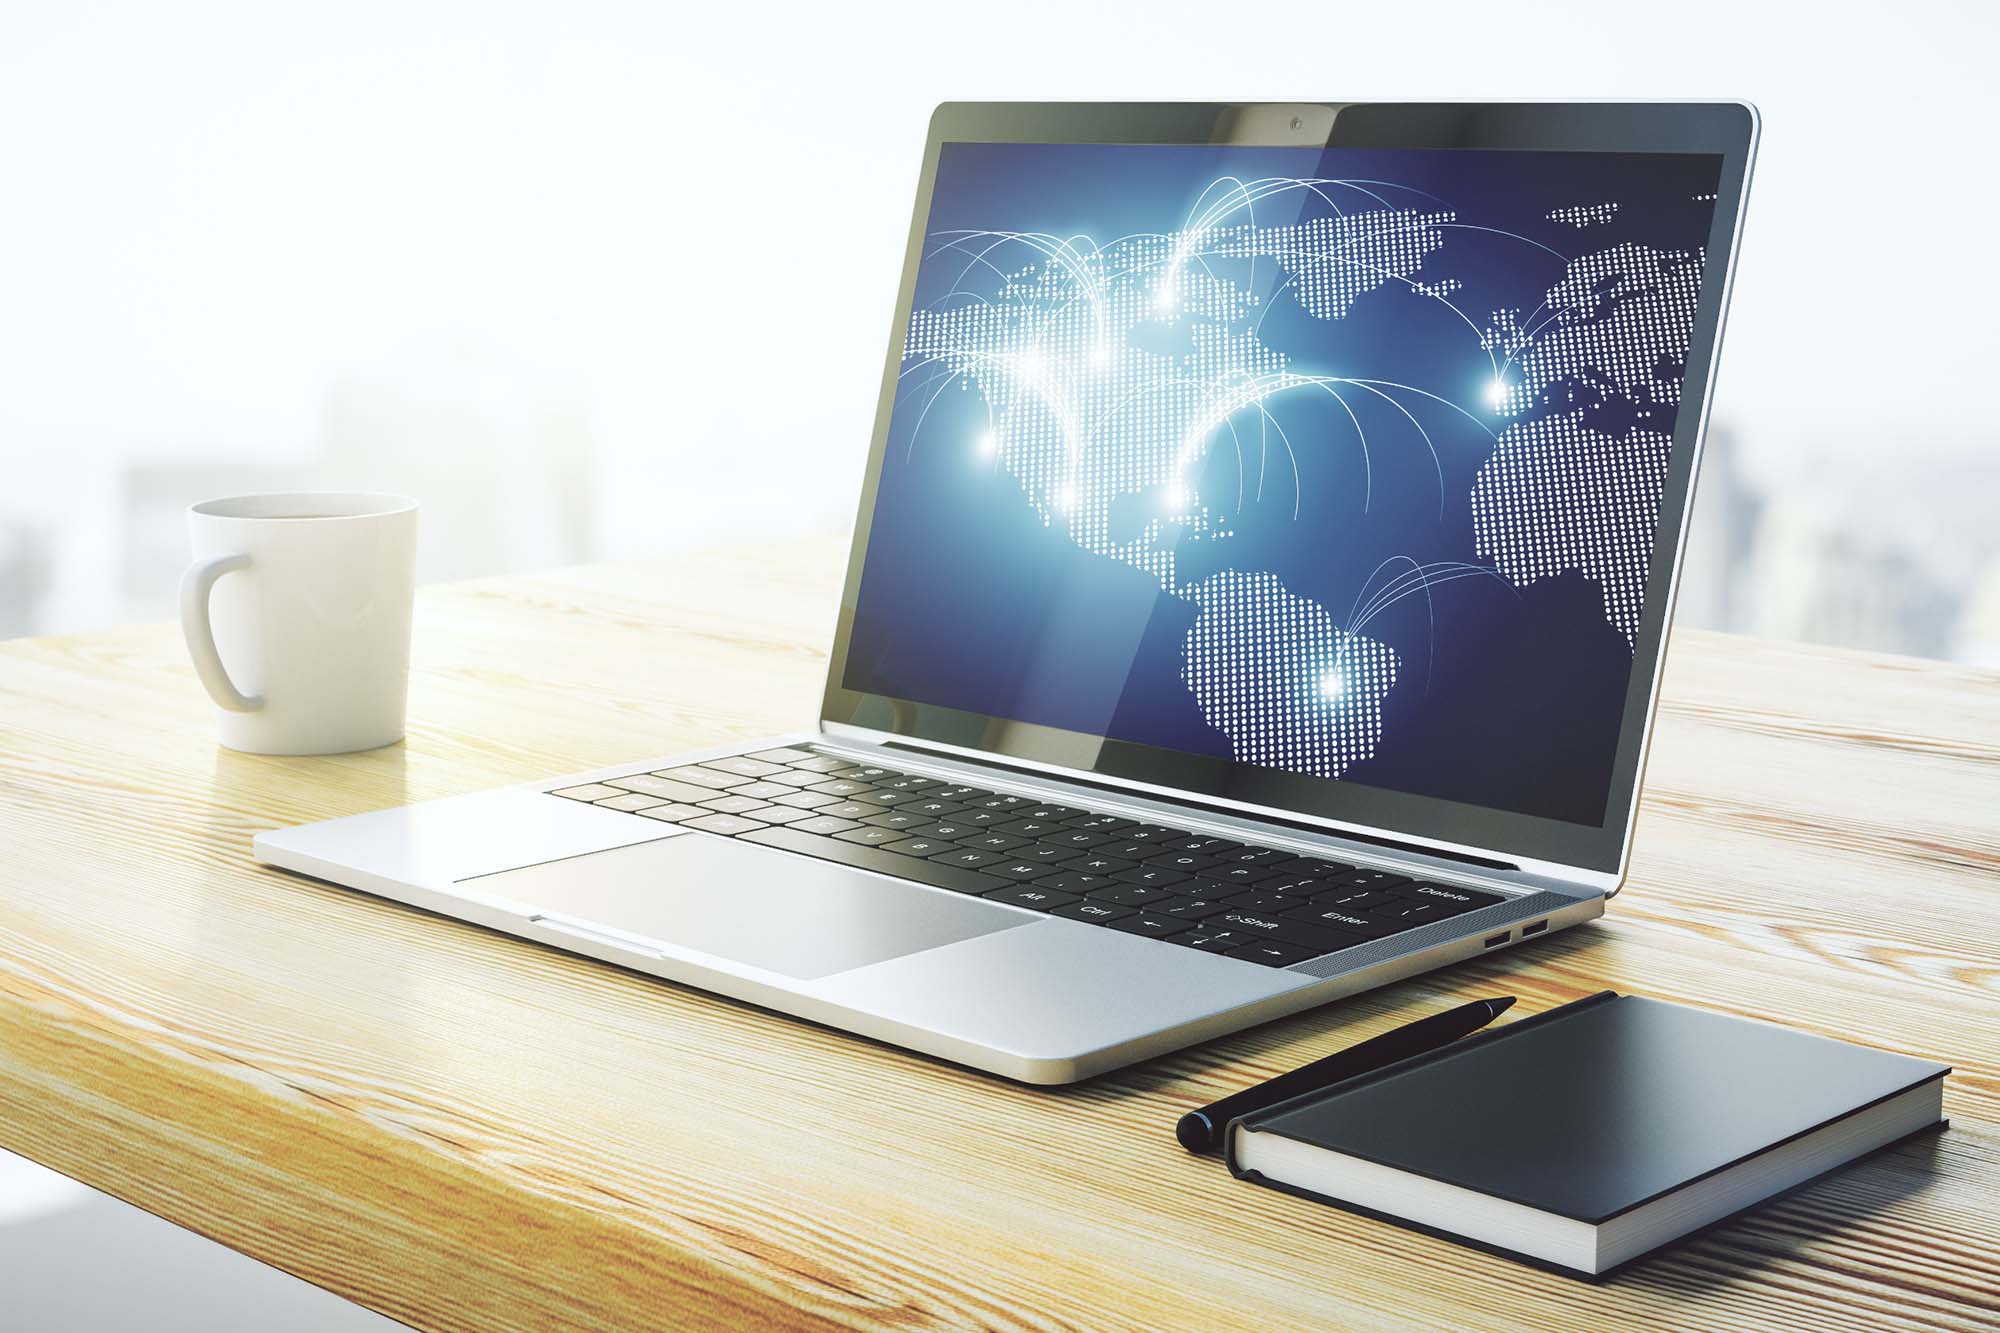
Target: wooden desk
467	1131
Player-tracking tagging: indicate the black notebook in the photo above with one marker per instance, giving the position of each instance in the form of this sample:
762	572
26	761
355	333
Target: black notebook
1589	1135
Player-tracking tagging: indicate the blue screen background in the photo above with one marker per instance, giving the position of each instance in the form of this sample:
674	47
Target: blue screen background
1396	559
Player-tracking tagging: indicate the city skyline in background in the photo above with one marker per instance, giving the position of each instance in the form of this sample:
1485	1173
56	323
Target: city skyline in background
530	274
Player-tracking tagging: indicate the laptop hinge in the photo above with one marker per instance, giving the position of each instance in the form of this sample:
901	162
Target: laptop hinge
1197	803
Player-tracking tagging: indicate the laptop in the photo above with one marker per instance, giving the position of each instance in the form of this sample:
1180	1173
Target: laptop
1264	559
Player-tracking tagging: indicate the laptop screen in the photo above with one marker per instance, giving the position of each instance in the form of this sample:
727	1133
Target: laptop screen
1342	462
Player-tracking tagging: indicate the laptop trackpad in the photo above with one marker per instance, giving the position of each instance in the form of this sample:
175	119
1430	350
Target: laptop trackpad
754	905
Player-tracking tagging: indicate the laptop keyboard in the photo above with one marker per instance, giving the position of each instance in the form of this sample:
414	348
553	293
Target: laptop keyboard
1261	904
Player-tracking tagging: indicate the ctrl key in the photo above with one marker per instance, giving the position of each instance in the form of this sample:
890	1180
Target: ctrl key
1272	954
1091	910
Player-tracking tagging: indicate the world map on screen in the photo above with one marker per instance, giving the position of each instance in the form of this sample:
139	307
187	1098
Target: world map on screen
1341	412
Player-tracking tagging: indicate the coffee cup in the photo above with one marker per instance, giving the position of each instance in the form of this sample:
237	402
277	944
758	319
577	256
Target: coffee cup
297	615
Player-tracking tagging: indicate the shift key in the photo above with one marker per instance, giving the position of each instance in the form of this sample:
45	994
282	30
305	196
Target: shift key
1277	928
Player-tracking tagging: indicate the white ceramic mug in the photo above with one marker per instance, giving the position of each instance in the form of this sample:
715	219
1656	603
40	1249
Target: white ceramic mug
297	615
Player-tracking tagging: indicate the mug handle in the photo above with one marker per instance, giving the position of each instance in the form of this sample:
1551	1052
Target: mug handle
196	584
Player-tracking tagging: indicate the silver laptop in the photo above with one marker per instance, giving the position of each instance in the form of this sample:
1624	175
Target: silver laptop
1264	559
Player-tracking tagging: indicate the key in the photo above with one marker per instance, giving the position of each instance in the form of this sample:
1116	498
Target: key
869	836
1152	876
1214	941
737	805
1045	854
918	846
589	791
727	825
1148	924
703	777
933	807
804	800
951	830
1153	833
632	800
1189	909
1353	900
824	825
1184	861
1278	928
1019	869
1201	843
1465	899
744	765
1260	856
1002	802
1101	824
1367	879
1092	862
909	783
841	787
1091	910
885	797
994	842
902	819
763	791
1258	901
1029	828
1337	918
976	815
1028	895
781	756
845	809
1072	882
1271	954
821	763
1235	872
664	788
874	858
1052	813
1404	913
1132	895
1079	838
963	795
771	814
673	814
968	857
799	777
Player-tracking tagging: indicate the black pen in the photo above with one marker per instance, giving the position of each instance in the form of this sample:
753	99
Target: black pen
1201	1131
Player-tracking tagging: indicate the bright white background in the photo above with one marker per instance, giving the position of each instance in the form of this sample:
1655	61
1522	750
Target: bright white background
603	280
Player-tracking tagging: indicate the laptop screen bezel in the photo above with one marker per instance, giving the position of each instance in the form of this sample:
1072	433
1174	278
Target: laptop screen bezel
1727	130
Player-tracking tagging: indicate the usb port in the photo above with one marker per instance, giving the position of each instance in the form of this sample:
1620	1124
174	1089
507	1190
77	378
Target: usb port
1535	929
1495	941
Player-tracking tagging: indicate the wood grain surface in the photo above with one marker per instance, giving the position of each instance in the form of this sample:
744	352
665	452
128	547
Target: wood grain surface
467	1131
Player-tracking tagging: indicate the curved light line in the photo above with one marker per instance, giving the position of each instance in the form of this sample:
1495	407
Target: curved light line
1391	384
1430	618
1526	240
1437	465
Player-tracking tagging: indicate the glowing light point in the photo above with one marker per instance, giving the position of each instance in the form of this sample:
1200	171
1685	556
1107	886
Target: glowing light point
1177	497
1065	499
1496	392
987	444
1100	355
1332	685
1029	364
1165	297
